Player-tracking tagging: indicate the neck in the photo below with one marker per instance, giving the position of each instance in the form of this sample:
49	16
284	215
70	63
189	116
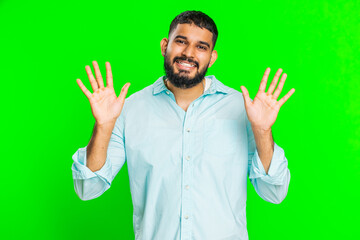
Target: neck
186	96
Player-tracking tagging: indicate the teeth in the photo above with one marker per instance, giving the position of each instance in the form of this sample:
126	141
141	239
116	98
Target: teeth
186	64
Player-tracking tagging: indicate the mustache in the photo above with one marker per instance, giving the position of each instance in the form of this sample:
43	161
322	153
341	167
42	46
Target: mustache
186	59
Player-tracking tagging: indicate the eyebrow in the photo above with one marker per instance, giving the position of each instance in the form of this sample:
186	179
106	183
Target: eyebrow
202	42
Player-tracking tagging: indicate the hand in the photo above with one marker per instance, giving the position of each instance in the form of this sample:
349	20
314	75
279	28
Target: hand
105	106
263	110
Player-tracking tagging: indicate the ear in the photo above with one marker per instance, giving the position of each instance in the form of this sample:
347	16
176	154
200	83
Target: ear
163	45
213	57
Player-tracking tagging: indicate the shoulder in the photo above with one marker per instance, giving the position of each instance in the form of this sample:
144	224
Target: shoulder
139	95
142	96
231	94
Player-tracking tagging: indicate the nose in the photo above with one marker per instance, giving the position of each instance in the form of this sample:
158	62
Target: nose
188	51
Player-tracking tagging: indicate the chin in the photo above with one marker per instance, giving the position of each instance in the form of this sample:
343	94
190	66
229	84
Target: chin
187	74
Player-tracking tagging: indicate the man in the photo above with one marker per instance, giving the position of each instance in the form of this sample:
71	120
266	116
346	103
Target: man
190	142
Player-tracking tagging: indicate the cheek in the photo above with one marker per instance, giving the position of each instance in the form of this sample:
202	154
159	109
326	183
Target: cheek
205	60
174	50
172	55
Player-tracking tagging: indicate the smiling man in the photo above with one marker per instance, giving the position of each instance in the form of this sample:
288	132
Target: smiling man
187	59
190	142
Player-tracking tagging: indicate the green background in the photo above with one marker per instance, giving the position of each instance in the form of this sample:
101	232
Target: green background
45	45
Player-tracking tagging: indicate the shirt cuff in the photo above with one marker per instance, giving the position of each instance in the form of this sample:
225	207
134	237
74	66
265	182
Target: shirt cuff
277	171
81	171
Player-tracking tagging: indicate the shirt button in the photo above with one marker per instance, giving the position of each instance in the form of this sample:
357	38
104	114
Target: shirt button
187	157
167	92
188	129
186	217
187	186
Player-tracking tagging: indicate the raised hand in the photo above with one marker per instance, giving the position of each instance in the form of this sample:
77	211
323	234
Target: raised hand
105	105
263	110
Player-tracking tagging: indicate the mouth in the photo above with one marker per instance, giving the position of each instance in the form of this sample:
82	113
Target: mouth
185	65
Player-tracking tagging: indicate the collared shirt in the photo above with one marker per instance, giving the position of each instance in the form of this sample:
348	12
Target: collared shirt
188	170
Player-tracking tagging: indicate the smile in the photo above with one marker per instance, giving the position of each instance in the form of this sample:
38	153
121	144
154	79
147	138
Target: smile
185	65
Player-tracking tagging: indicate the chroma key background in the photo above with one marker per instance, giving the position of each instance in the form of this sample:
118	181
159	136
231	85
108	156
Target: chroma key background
45	118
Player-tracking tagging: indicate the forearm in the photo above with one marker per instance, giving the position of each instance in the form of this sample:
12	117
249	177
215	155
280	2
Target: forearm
265	146
96	165
97	147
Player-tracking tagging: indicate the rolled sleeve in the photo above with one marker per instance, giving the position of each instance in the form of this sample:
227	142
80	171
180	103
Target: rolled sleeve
81	171
88	184
278	170
273	186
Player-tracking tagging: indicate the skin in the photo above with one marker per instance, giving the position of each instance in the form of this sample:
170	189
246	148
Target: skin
262	113
106	108
195	43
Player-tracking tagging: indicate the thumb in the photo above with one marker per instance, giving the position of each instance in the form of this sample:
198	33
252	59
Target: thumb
245	94
123	92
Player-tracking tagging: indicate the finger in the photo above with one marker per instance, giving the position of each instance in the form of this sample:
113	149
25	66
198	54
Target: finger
264	80
245	94
109	77
274	81
84	89
286	97
280	86
92	80
123	92
98	76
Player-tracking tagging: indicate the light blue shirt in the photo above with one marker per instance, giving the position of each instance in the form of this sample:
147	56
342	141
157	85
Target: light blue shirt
187	170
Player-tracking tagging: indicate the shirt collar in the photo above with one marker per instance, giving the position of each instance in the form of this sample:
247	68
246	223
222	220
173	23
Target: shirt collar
215	86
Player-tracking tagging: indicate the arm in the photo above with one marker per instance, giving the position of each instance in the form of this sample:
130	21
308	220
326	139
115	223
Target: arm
268	170
271	184
91	183
265	147
97	147
96	165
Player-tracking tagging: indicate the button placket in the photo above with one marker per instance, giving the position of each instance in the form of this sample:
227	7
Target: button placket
187	175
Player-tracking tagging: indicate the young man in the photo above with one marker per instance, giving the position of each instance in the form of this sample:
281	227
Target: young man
190	142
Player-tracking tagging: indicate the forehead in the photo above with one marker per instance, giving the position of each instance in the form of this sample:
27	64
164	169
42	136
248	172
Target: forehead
192	33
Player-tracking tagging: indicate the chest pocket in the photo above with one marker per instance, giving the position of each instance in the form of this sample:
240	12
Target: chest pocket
222	137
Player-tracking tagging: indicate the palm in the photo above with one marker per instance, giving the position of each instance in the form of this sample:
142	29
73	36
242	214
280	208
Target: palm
263	110
105	105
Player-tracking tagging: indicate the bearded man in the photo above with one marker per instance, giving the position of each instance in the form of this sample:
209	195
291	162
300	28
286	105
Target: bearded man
190	142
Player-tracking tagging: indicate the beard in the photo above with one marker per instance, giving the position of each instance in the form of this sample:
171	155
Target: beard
181	80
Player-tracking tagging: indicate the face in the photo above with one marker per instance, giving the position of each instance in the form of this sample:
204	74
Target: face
188	54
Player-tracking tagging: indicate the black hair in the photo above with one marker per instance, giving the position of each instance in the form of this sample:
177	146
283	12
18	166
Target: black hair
198	18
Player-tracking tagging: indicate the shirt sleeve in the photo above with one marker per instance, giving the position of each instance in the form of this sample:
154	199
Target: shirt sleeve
89	185
273	186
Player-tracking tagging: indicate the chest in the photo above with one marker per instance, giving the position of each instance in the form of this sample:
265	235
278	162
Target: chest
164	139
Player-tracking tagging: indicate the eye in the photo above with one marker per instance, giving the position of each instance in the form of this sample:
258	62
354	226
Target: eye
202	47
180	41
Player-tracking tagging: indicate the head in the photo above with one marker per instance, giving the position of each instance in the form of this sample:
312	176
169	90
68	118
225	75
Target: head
189	49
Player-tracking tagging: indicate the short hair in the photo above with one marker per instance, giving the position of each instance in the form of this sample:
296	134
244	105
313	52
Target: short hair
198	18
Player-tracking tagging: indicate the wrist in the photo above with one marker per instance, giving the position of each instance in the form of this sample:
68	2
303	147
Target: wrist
261	131
105	127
